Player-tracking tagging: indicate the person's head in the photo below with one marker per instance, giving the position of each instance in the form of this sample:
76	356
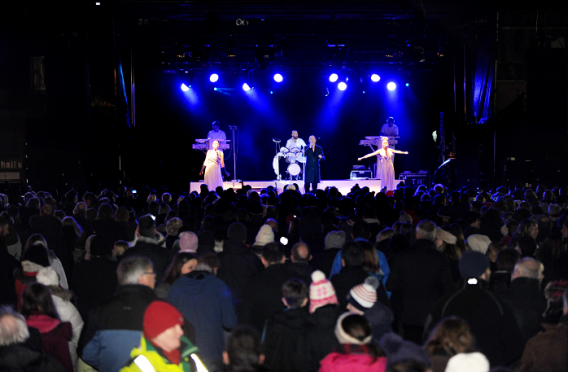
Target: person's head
237	231
352	255
426	230
564	230
215	145
4	228
478	243
353	329
36	299
403	355
272	253
295	134
188	242
371	260
136	270
300	253
527	246
361	229
147	226
385	234
294	293
100	246
313	140
334	239
265	235
120	246
390	121
444	238
243	350
13	328
530	268
474	265
215	125
208	262
385	142
493	249
322	292
173	225
105	211
35	239
451	336
527	228
506	259
162	326
182	263
362	297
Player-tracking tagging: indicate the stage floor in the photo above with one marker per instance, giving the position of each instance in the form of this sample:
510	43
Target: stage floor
344	186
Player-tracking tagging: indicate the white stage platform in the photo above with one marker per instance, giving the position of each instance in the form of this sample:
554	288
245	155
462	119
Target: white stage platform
344	186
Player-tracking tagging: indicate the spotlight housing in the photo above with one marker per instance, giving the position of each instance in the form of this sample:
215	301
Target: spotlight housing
278	78
342	86
184	87
246	87
213	78
333	77
391	86
375	78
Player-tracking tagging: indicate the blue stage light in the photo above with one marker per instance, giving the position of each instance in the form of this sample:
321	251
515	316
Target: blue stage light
278	78
213	78
407	84
391	86
246	87
271	92
333	78
342	86
215	88
375	78
185	88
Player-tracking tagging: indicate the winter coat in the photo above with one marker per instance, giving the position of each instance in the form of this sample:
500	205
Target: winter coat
68	313
22	358
237	265
263	295
352	358
54	338
207	303
158	361
114	327
419	277
380	318
150	248
546	351
348	277
491	321
312	164
281	336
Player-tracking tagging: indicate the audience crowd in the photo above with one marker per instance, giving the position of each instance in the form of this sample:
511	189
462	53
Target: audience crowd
250	280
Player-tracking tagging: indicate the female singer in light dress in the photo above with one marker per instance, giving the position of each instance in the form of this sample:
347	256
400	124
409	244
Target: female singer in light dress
387	168
212	167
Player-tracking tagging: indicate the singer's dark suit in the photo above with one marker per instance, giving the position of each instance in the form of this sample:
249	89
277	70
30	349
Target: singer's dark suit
312	167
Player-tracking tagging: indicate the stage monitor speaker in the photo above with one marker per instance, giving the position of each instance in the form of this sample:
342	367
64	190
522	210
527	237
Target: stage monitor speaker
361	174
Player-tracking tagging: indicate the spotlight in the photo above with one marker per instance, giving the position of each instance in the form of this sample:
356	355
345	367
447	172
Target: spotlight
342	86
246	87
333	77
278	78
213	78
407	84
375	78
184	87
391	86
271	92
215	89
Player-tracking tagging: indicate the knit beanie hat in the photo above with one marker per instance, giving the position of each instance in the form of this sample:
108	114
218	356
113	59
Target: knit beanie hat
321	291
188	242
398	350
468	362
265	235
237	231
445	236
478	243
473	264
36	254
47	276
160	316
345	338
364	296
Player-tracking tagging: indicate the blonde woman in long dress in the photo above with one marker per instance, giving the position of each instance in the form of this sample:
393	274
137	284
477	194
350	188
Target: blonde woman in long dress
386	156
212	167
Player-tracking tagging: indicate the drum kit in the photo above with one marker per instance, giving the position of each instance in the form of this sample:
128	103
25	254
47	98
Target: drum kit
294	157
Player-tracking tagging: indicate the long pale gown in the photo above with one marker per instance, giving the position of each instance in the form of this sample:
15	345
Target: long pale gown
212	164
387	169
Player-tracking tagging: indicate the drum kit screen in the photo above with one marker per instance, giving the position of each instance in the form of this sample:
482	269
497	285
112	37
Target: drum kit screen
294	159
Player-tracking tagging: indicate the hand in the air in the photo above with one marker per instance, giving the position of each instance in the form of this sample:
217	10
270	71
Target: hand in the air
406	152
319	156
360	159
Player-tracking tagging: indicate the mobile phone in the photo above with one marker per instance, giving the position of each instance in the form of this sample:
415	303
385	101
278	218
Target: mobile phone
284	240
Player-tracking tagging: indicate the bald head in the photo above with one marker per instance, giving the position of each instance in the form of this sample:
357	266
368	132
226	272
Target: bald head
300	253
528	268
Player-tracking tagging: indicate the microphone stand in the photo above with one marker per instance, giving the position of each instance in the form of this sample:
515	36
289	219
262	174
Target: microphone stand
233	128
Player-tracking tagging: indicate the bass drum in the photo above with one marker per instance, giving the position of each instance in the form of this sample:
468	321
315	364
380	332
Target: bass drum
294	169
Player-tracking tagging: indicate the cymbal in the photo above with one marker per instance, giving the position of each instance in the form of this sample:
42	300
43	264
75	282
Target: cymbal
277	140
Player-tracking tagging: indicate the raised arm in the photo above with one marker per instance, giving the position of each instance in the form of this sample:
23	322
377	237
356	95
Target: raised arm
369	155
399	152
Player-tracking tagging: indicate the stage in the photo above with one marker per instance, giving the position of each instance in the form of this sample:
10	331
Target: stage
344	186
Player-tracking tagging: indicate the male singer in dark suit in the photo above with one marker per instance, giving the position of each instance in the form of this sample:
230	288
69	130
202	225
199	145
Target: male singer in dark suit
314	154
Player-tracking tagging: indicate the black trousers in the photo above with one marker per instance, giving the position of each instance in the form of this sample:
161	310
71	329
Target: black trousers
312	185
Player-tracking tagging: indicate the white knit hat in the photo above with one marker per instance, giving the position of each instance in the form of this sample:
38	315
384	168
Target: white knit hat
265	235
478	243
364	296
445	236
343	337
468	362
321	291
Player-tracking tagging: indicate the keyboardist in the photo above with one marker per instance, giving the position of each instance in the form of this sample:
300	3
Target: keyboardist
389	129
216	133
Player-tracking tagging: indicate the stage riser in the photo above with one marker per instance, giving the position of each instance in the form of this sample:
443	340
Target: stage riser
344	186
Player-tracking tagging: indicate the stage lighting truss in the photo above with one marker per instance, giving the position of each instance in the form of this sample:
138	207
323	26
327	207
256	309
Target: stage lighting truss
185	79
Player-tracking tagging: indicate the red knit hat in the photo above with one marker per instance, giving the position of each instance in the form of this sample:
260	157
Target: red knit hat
160	316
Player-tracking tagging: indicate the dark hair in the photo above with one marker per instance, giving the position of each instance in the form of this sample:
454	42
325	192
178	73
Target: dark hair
294	292
174	271
506	259
407	366
361	229
36	298
527	245
243	349
352	254
450	336
272	253
105	211
371	260
210	259
146	226
356	326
